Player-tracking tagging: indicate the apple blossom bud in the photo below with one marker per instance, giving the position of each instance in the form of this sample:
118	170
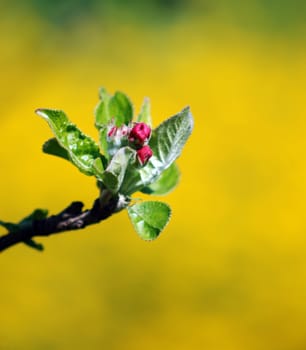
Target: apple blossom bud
112	131
115	132
144	154
117	137
140	134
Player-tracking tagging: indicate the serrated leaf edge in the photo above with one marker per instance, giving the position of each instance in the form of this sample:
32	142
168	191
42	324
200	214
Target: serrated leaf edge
162	229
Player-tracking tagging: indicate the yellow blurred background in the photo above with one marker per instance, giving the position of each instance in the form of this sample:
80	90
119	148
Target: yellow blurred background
229	271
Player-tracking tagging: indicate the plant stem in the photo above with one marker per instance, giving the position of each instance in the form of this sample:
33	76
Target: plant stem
71	218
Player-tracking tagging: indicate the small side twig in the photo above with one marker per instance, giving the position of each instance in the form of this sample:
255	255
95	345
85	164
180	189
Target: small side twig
71	218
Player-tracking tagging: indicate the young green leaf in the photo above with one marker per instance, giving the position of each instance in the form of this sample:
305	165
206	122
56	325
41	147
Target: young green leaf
98	165
53	147
165	183
102	116
103	141
33	244
167	143
117	108
82	149
9	226
121	109
145	113
169	138
37	214
115	172
131	179
26	223
149	218
14	228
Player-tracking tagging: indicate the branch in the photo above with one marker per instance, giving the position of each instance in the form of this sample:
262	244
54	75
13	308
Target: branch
71	218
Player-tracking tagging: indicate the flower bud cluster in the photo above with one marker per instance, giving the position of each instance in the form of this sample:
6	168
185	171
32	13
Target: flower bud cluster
117	137
144	154
137	136
140	134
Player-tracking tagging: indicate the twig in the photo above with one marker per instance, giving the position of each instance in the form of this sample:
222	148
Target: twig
71	218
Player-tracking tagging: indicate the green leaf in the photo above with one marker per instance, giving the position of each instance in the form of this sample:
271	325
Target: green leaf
82	149
117	108
169	138
9	226
26	223
115	172
98	166
149	218
33	244
165	183
103	141
53	147
131	180
145	113
102	116
103	93
121	109
37	214
167	143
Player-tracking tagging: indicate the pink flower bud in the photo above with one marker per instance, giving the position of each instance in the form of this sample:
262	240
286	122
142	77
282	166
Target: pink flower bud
112	131
117	137
140	134
144	154
118	132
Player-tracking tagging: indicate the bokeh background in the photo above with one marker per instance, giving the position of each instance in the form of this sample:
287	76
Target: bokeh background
229	271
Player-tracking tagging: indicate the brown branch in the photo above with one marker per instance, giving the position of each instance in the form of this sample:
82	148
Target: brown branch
71	218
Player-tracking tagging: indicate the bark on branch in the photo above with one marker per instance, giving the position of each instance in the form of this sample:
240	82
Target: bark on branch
71	218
